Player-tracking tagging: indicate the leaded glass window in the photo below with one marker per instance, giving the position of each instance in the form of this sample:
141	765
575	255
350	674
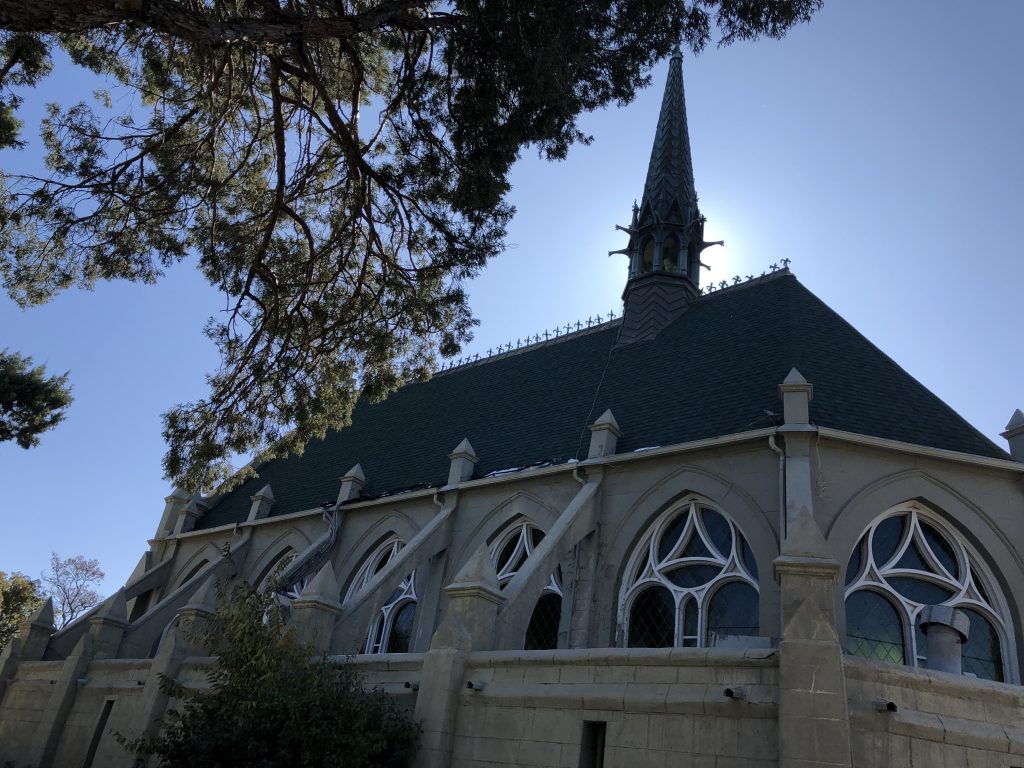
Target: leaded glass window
392	630
373	564
509	553
690	581
908	559
542	631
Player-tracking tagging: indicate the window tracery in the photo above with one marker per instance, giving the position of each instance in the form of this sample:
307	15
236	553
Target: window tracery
392	630
509	553
373	564
690	581
908	559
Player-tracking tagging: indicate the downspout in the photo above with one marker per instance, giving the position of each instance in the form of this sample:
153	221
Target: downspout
782	488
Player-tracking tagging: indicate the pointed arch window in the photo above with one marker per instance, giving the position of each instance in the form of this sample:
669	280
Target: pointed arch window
509	553
647	256
374	563
392	630
691	581
670	255
272	571
907	559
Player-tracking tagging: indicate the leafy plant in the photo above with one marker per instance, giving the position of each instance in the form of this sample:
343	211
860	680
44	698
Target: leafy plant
270	705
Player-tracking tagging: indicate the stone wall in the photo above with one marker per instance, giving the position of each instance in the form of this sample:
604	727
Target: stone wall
23	706
939	719
660	706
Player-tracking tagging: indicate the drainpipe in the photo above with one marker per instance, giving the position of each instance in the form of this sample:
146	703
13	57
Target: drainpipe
782	488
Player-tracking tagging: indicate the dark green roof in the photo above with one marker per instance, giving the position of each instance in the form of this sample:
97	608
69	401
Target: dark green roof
714	371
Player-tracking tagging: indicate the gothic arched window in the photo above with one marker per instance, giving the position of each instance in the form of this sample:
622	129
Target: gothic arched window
509	553
392	631
373	564
268	578
647	256
691	581
908	559
670	254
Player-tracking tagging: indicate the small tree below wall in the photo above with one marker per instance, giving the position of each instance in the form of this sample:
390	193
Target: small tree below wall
271	706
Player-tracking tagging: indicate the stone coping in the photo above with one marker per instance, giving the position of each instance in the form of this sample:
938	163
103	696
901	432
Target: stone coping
113	665
698	657
30	668
381	662
943	683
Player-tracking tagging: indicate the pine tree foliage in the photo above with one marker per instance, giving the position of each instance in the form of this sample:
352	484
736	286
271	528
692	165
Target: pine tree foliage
270	706
30	401
338	168
19	596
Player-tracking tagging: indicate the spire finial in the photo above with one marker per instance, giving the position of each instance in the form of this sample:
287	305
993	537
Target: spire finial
667	235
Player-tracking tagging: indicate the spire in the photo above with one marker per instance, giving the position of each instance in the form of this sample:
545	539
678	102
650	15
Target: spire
666	235
669	194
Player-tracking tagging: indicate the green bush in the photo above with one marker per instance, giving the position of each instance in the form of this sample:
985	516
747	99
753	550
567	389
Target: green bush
270	705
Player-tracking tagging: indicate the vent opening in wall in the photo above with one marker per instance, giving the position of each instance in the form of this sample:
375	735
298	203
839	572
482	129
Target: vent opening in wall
592	744
97	733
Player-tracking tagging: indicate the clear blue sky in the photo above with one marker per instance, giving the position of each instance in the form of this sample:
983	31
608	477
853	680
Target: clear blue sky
879	148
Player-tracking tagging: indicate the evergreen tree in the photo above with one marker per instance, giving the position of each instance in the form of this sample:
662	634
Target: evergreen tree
270	706
19	596
338	167
30	401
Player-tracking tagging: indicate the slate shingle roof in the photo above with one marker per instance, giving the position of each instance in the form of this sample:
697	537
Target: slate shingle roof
713	372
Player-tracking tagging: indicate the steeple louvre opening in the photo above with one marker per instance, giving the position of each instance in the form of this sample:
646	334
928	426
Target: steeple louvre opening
667	229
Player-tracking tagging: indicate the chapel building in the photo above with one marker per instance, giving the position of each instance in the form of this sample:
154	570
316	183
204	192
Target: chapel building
721	529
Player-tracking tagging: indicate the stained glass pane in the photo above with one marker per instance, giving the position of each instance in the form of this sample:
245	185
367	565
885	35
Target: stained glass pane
981	653
942	549
671	535
856	561
696	547
689	576
873	628
506	553
401	629
919	590
921	641
733	611
748	558
718	529
690	617
542	631
383	559
913	559
536	536
652	619
518	564
978	585
887	537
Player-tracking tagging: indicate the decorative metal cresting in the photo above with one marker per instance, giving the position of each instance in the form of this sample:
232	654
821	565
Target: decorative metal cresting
592	323
691	581
906	560
538	339
775	267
